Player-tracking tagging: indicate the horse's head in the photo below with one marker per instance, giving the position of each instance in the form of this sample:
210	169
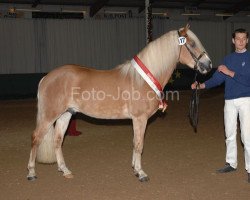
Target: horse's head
192	52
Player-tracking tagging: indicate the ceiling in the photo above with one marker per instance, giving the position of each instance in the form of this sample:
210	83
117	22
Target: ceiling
227	6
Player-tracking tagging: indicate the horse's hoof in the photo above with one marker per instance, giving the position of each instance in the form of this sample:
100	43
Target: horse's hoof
31	178
68	176
144	179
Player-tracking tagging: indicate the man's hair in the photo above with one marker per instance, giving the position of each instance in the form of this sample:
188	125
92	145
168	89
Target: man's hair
240	30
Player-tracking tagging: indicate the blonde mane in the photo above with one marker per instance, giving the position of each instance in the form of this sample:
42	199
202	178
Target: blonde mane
159	56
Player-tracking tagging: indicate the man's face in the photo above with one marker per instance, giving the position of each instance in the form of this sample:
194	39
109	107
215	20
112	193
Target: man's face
240	41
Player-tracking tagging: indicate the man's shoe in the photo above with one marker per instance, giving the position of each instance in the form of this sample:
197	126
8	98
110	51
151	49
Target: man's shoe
227	168
248	177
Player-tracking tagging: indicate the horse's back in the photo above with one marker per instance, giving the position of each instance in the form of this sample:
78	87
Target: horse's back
74	72
61	75
66	70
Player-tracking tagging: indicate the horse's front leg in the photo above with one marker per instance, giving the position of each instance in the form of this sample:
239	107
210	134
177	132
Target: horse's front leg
139	126
60	129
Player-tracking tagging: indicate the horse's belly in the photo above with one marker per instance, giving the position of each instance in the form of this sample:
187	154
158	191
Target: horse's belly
105	110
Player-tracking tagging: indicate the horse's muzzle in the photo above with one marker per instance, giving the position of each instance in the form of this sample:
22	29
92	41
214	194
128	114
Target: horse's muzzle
204	65
204	68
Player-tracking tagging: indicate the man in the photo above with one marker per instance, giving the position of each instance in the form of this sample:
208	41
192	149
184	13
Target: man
235	73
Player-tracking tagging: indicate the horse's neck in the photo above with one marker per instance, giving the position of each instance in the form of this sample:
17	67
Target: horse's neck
161	57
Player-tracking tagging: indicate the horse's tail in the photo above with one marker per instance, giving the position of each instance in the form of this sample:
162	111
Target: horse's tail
46	150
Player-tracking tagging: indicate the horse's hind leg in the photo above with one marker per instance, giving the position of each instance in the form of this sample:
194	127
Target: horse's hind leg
139	126
37	137
60	129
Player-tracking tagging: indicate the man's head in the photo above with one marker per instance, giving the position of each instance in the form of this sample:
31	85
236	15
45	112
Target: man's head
240	39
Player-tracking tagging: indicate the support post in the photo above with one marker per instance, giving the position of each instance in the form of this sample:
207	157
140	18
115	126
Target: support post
148	17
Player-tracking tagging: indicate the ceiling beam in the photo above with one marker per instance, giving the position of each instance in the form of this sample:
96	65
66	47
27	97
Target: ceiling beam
96	7
198	3
35	3
239	6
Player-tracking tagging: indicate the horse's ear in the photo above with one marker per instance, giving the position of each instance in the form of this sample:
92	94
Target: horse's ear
186	29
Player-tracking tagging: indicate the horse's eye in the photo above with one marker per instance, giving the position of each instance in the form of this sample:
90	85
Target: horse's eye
192	44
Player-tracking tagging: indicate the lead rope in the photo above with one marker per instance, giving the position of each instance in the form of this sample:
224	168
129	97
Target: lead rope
194	105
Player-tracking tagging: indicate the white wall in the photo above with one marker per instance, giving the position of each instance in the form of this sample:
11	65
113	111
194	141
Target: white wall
39	45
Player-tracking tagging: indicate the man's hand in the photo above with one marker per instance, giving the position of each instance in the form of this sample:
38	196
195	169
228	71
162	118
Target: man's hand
199	86
225	70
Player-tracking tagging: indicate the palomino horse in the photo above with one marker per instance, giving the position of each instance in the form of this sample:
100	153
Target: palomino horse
120	93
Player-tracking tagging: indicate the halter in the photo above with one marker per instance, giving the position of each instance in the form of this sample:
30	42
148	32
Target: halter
196	59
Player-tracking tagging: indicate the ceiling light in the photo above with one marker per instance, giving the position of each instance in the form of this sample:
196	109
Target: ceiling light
160	13
115	12
75	11
28	10
190	14
224	14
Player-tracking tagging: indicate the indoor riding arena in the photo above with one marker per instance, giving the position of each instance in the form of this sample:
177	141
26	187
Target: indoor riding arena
106	146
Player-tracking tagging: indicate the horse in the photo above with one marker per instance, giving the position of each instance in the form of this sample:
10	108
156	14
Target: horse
132	90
